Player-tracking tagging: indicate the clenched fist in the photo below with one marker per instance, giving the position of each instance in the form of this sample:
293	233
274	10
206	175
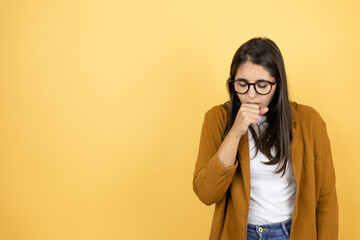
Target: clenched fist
247	114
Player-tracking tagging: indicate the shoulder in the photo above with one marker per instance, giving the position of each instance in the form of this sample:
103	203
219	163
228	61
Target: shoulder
312	127
218	114
218	111
305	113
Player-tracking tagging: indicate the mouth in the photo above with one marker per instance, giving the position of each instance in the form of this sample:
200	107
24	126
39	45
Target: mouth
254	103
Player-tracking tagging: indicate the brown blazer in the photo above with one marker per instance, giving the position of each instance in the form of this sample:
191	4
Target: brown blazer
315	213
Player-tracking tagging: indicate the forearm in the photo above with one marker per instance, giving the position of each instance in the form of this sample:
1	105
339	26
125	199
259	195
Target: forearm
228	149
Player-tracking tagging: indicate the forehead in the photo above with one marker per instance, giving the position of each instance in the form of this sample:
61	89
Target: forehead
252	72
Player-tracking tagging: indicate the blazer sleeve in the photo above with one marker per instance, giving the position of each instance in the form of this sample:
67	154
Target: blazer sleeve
211	180
327	205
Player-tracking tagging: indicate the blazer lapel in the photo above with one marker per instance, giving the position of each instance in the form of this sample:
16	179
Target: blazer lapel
244	158
296	154
296	146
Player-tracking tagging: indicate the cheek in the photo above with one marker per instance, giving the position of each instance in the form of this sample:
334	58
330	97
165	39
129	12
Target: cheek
271	96
266	99
241	98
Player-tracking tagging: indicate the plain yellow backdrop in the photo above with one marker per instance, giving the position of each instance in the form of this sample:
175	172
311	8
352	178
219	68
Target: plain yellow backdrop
102	102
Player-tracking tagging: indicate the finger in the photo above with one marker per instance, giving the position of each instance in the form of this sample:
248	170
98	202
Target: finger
253	115
250	111
264	110
253	119
254	109
251	105
254	122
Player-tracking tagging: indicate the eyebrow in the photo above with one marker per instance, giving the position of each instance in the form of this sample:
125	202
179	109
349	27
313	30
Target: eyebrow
259	80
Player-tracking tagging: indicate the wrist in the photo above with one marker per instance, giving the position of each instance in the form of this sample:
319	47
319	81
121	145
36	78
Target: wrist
234	134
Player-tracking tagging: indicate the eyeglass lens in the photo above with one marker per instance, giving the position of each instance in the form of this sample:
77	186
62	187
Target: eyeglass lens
260	87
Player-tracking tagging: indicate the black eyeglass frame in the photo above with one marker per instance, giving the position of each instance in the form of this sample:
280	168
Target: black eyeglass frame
249	84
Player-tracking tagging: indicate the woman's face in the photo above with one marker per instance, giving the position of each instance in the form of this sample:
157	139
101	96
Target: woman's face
252	73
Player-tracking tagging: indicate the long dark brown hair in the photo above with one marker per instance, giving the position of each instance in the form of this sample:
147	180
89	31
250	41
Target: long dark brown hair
265	52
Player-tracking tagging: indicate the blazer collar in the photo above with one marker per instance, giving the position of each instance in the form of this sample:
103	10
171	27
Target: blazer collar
294	114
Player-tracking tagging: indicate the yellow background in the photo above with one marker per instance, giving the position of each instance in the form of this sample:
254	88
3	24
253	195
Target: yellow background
102	102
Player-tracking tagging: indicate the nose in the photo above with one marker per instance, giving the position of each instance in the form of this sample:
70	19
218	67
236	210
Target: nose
252	93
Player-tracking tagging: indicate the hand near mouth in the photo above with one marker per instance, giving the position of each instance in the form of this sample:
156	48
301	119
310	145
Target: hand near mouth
247	115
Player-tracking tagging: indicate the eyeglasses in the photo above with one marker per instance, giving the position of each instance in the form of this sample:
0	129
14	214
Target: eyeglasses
262	87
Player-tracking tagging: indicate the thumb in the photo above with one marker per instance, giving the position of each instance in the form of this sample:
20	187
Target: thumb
264	110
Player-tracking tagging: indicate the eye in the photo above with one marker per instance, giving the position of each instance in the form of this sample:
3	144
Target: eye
262	84
242	84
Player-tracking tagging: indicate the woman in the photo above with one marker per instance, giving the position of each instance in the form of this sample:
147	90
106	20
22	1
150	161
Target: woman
265	161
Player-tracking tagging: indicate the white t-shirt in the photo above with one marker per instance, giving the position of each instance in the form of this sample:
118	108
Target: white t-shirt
272	197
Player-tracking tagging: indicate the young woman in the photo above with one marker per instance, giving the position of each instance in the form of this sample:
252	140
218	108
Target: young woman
265	161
